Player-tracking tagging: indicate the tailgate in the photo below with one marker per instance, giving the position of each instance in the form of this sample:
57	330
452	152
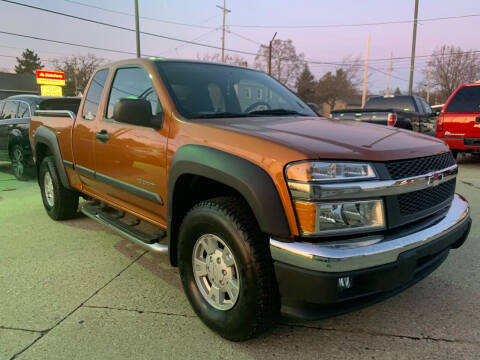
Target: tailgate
374	117
464	125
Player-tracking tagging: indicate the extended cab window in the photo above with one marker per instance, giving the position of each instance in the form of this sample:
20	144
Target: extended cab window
132	83
467	100
94	94
10	110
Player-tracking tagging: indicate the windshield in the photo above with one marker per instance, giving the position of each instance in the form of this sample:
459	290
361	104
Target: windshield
202	90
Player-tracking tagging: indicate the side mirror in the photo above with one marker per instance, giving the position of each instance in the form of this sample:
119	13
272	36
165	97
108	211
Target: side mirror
314	107
135	112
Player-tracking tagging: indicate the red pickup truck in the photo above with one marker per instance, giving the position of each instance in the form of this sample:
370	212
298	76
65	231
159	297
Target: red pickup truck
459	122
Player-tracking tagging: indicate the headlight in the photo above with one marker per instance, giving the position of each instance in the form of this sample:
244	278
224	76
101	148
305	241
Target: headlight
332	218
341	217
329	171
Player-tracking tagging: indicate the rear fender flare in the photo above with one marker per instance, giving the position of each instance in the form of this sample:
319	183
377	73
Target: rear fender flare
47	137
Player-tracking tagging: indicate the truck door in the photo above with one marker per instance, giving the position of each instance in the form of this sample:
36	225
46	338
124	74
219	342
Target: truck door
83	141
130	159
462	115
9	113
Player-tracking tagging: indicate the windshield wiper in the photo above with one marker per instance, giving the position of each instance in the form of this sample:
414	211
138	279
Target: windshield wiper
220	115
276	112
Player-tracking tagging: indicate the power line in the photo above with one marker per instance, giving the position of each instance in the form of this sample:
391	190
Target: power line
128	29
68	43
145	17
338	63
353	25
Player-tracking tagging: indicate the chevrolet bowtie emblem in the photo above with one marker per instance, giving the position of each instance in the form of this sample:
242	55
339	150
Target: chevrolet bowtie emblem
435	178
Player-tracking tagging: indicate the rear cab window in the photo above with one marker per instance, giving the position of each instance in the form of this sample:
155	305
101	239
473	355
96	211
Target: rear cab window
132	83
94	95
466	100
403	103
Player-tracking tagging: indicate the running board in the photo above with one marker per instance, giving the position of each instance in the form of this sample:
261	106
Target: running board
147	241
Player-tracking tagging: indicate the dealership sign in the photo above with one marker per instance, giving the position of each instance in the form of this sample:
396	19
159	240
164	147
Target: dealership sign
51	90
51	82
47	77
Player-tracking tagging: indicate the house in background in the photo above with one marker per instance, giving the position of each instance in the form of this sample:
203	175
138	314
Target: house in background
17	84
352	102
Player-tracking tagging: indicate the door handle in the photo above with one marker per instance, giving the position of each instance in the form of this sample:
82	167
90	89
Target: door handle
102	135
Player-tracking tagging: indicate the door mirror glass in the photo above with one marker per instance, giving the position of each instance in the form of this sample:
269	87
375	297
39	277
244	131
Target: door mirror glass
134	111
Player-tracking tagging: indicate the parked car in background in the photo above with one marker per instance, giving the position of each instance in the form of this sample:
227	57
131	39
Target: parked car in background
15	113
459	121
402	111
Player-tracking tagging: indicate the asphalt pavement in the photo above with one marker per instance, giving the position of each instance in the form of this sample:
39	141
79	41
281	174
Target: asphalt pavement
76	290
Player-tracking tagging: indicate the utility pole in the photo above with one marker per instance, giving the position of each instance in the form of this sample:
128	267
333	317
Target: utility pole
137	28
225	11
429	75
390	69
365	73
270	54
414	42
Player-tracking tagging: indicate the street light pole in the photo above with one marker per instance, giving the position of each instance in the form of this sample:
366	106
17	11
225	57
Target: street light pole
137	28
414	42
225	11
270	54
365	73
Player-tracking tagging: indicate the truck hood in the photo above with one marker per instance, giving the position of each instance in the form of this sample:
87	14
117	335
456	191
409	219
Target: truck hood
334	139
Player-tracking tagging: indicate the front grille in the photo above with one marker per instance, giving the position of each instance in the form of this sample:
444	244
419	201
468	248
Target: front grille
419	166
417	201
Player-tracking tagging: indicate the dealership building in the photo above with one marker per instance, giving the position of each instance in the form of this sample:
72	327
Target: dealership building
17	84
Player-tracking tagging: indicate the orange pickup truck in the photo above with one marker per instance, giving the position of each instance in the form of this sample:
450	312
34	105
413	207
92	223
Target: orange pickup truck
264	206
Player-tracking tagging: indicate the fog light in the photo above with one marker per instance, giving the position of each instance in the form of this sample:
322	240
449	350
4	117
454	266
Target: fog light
345	282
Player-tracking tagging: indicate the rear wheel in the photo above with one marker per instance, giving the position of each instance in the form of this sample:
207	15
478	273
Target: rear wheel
59	202
21	168
226	268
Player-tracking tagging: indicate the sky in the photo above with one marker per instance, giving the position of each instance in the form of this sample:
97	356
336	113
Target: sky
325	44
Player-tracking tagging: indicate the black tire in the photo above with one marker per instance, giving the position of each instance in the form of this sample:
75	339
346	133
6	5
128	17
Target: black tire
258	303
65	202
455	154
21	167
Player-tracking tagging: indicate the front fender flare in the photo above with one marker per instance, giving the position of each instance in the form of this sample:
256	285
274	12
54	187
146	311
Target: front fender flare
247	178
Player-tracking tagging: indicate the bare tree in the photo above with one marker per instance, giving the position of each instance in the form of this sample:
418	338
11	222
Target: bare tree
229	59
286	63
78	69
452	66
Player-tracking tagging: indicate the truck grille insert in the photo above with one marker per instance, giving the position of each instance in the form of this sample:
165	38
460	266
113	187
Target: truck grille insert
414	167
416	201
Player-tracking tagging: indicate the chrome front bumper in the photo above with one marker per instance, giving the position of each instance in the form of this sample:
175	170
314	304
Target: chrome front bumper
369	251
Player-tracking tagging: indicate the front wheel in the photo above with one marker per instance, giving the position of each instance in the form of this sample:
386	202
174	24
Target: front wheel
60	202
226	268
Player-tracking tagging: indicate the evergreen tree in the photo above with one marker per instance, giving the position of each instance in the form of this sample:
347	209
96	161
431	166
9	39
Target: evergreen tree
28	63
306	85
